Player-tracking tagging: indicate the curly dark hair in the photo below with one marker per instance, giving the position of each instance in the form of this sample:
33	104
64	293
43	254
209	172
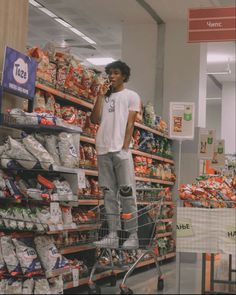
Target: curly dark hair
122	66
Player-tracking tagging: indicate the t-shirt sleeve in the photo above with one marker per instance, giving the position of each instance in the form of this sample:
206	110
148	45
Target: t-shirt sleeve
134	102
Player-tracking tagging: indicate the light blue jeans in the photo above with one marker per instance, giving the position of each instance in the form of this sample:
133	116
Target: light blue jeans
117	179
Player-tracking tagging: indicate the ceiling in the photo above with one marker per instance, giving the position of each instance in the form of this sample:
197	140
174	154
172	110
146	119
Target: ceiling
102	21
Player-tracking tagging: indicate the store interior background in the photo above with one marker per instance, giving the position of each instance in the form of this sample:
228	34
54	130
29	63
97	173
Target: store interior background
151	36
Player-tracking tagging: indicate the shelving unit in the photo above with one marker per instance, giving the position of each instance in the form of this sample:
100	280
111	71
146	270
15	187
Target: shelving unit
93	172
105	274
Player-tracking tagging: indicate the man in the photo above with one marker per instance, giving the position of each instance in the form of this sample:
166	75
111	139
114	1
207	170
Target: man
115	110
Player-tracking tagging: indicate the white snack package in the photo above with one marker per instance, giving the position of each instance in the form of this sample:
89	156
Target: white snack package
50	257
14	287
40	138
76	140
31	119
41	287
17	151
56	214
28	286
44	216
63	190
35	147
9	255
27	256
56	286
52	147
18	115
2	149
3	284
68	152
67	215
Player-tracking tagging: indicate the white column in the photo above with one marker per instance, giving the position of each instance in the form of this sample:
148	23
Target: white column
184	70
228	127
139	51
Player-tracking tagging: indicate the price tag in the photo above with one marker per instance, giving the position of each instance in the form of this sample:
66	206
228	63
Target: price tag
75	274
55	211
52	227
60	227
81	179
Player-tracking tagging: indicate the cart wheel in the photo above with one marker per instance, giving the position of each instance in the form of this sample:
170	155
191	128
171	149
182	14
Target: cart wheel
94	289
160	284
126	291
113	281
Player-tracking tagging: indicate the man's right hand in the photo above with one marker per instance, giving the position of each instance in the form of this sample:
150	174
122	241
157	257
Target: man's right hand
104	88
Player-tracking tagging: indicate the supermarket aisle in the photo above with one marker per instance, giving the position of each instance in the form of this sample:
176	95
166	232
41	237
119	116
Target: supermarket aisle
144	282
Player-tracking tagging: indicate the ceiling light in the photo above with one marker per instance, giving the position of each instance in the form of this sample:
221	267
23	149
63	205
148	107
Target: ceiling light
48	12
89	40
62	22
213	98
77	32
36	4
100	61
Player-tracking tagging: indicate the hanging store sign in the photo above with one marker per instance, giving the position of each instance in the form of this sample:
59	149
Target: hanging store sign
182	120
207	139
19	73
218	160
212	24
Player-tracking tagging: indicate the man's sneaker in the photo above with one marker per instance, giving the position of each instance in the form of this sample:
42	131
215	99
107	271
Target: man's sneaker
110	241
132	243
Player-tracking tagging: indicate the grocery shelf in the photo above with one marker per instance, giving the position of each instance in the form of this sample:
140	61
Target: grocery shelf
90	172
65	96
105	274
142	126
150	202
87	139
76	249
134	152
91	202
152	156
147	179
57	272
163	235
167	220
82	227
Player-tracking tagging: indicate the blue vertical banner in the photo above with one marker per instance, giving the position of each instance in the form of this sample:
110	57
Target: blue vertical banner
19	73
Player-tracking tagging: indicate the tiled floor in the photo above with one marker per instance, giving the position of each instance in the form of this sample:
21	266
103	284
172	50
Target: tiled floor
145	282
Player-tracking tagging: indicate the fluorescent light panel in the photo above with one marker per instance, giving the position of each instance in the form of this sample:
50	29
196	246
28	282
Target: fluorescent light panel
77	32
220	73
62	22
100	61
48	12
34	3
89	40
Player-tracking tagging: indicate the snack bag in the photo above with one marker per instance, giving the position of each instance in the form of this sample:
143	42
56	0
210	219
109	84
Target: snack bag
9	256
27	256
28	286
35	148
41	286
13	287
50	105
16	150
66	215
68	151
39	101
50	257
51	145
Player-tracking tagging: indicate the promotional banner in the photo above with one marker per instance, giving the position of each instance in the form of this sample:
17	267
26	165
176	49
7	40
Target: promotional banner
201	230
19	73
207	140
182	120
218	160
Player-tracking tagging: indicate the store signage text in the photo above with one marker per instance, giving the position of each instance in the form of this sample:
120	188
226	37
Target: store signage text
19	73
212	24
184	228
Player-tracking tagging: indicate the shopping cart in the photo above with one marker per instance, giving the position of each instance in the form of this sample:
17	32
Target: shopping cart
148	220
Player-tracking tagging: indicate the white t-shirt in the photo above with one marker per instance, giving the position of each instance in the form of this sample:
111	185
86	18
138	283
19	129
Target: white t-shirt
116	107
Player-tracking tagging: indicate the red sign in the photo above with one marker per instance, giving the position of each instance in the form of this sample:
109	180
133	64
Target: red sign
212	24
